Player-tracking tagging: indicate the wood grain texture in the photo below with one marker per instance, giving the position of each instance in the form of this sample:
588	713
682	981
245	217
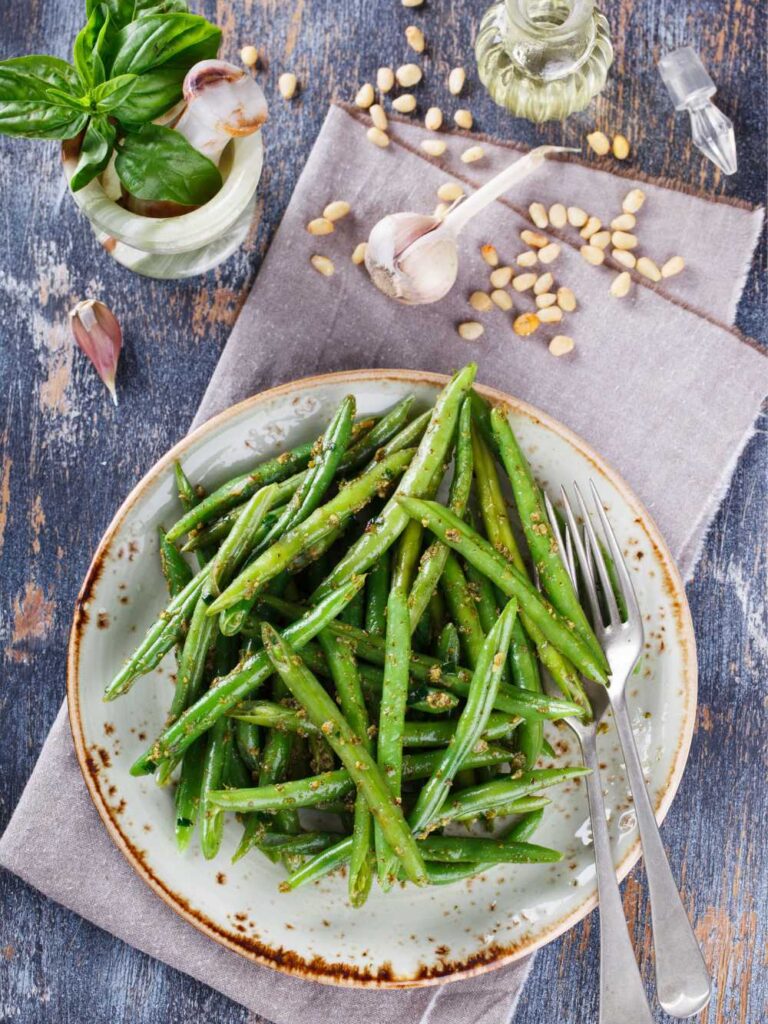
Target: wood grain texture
68	457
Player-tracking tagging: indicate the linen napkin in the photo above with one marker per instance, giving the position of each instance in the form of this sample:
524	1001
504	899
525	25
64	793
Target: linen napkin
656	382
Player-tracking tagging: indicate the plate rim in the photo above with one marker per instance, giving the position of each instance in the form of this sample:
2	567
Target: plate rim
285	961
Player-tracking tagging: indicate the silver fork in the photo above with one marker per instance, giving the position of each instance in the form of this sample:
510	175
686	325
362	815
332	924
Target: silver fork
683	983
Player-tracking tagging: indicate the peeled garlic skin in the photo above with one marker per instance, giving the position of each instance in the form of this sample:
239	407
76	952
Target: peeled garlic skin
411	258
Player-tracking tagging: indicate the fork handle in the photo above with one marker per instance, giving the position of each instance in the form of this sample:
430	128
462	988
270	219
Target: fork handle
622	996
683	983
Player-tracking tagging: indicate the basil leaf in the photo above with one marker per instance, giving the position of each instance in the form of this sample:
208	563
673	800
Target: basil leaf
112	93
159	163
85	53
26	108
178	40
95	151
120	11
144	8
154	93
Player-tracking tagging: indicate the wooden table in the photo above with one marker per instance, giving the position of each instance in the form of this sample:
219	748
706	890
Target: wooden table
69	457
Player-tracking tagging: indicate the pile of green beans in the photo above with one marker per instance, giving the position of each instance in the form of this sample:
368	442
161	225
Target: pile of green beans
348	644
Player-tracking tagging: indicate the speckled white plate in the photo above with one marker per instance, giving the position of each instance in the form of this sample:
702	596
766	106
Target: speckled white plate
410	936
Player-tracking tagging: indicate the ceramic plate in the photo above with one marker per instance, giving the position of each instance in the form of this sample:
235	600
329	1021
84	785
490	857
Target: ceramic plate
410	936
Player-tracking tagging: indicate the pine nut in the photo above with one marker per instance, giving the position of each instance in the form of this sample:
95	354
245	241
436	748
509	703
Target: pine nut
434	147
523	282
592	226
549	253
463	119
336	210
558	216
480	301
620	147
526	324
545	299
405	104
456	81
621	284
561	345
538	214
624	222
385	79
543	284
322	265
550	315
320	226
633	200
601	239
249	55
408	75
472	155
592	254
577	217
527	259
673	266
502	299
501	276
534	239
377	137
450	191
598	143
489	254
441	209
624	257
470	330
358	255
379	116
412	3
623	240
648	268
566	300
415	38
287	85
434	119
365	96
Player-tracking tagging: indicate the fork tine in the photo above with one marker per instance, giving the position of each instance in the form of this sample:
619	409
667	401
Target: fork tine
561	547
599	562
625	580
589	583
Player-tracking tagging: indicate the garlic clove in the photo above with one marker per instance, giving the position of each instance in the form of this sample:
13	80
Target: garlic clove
412	258
98	334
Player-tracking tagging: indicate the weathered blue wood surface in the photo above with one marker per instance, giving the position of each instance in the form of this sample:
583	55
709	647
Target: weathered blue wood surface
68	458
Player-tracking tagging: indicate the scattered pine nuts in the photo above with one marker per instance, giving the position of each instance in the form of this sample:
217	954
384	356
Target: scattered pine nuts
408	75
470	330
379	116
550	315
450	191
441	209
602	239
633	200
526	324
523	282
558	217
322	265
489	254
472	155
433	147
336	210
365	96
673	266
534	239
434	119
385	79
480	301
456	81
358	255
412	3
502	299
621	284
592	226
320	226
287	85
527	259
592	254
545	299
624	222
577	217
561	345
624	257
598	143
623	240
543	284
463	119
648	268
377	137
620	147
501	276
538	214
405	104
249	55
549	253
566	300
415	38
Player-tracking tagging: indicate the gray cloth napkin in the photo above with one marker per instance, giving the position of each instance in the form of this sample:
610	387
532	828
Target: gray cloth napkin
657	383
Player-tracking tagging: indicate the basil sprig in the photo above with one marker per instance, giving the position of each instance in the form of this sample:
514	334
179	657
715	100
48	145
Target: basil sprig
128	65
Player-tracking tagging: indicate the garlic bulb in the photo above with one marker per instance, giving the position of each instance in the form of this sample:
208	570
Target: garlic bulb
414	258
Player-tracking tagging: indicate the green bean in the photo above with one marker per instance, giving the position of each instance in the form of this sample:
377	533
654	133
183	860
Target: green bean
175	570
376	596
557	631
244	680
275	764
409	436
302	844
187	795
323	521
236	773
474	716
324	713
270	715
211	816
238	543
353	613
368	445
425	465
323	864
463	610
190	496
448	646
248	739
458	849
522	830
189	677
